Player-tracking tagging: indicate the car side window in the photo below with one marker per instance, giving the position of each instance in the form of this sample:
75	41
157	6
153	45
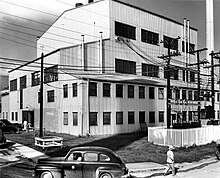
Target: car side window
103	157
75	156
91	157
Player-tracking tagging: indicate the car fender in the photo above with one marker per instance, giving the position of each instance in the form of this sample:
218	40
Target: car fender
114	172
55	170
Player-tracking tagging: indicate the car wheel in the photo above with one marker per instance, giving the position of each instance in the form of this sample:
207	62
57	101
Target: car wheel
105	175
46	175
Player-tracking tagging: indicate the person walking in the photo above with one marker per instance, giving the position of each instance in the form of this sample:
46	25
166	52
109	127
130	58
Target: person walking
170	161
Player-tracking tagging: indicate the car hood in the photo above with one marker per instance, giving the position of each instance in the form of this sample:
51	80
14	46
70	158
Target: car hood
50	159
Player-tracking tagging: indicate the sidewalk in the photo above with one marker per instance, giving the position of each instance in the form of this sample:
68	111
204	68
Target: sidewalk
17	153
151	169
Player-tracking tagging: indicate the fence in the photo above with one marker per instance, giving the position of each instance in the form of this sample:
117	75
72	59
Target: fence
183	137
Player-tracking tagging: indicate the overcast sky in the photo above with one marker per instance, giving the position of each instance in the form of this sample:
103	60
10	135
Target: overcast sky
19	42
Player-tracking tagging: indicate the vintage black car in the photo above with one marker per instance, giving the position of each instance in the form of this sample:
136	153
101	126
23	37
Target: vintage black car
8	123
7	129
82	162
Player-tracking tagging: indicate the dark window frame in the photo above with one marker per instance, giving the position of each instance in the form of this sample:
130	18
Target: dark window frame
35	78
93	119
149	37
93	89
65	91
74	85
141	92
150	70
119	118
142	117
125	30
50	96
130	91
106	89
13	85
151	92
119	90
125	66
152	117
131	117
106	118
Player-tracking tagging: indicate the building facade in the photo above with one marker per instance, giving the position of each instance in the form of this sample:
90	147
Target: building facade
105	72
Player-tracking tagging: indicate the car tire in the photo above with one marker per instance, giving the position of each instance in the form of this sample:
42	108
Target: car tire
46	174
105	175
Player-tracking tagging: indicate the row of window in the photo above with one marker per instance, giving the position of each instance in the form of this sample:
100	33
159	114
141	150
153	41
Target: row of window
129	67
14	116
50	75
93	118
128	31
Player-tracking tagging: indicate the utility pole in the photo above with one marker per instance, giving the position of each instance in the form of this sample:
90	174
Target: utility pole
212	66
198	68
41	96
168	57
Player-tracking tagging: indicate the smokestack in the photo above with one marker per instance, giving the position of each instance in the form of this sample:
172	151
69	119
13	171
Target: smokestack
100	53
209	29
83	54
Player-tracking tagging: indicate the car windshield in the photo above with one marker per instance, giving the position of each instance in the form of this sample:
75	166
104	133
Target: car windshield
5	121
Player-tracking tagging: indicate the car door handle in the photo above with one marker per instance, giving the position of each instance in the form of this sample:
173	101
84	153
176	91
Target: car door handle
73	167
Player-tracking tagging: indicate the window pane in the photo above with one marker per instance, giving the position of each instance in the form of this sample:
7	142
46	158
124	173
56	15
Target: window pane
106	89
65	118
93	119
142	117
141	92
92	89
51	74
151	92
161	116
74	89
90	157
131	118
125	30
50	96
106	118
119	90
152	117
75	118
130	91
65	91
124	66
119	117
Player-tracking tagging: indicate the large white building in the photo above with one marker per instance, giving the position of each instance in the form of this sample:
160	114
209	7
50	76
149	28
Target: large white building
102	73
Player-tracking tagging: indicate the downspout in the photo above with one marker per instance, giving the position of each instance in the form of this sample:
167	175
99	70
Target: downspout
100	53
188	38
83	54
88	107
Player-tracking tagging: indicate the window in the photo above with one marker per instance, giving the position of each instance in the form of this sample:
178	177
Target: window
161	116
13	85
12	116
150	70
151	92
92	89
217	97
190	115
23	82
173	42
65	91
130	91
177	94
35	78
119	117
191	47
106	118
152	117
141	92
196	96
93	119
103	157
184	77
119	90
16	116
39	97
125	30
75	118
184	94
184	116
50	96
131	117
74	89
160	93
192	76
149	37
90	157
125	67
51	74
106	89
141	117
65	118
190	95
174	73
